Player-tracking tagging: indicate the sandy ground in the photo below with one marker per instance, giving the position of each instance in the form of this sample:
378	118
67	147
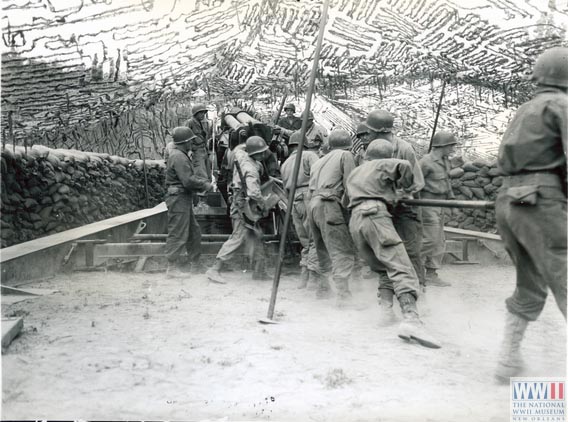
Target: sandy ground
140	346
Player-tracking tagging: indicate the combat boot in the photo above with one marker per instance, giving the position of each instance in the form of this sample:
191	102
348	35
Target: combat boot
259	272
304	277
411	328
197	266
433	279
510	362
214	273
323	287
386	310
313	280
344	296
176	269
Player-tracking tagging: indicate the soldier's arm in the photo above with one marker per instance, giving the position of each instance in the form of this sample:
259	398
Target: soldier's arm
404	176
347	164
418	185
252	177
184	171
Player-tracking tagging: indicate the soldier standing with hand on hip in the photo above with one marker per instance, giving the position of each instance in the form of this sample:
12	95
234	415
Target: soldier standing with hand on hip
181	184
531	206
435	168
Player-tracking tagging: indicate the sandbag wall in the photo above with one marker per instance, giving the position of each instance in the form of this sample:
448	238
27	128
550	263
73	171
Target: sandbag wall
45	191
477	180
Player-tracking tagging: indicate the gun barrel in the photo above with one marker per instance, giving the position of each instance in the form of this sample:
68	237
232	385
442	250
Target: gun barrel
232	122
449	203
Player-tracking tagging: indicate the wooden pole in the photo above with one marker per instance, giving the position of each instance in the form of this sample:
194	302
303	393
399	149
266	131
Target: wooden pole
437	114
303	131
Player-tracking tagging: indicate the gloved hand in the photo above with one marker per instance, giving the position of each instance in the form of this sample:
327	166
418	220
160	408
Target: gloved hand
190	155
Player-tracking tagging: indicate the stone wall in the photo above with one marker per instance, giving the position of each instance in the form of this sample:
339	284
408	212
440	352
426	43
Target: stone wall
478	181
45	191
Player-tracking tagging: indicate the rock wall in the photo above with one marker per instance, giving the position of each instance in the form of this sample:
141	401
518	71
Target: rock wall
45	191
478	181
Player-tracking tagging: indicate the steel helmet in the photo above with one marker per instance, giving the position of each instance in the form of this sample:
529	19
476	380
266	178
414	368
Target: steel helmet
295	138
255	145
197	108
182	134
443	138
310	115
339	139
290	107
551	67
379	148
379	121
362	129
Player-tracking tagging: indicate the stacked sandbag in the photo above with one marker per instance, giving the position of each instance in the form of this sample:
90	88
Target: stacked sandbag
474	181
45	191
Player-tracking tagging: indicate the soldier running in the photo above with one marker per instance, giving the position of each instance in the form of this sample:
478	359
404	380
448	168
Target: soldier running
371	188
328	216
181	184
531	205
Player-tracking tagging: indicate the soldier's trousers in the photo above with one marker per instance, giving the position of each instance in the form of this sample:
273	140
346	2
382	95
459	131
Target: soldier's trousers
535	237
382	248
183	229
201	163
433	239
241	237
332	240
407	224
302	225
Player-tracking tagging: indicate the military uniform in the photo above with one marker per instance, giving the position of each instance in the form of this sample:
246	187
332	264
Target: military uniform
242	235
371	194
316	135
200	159
301	204
289	125
183	229
531	205
406	219
328	217
436	186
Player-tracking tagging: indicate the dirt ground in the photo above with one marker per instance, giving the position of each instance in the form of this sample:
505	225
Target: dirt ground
140	346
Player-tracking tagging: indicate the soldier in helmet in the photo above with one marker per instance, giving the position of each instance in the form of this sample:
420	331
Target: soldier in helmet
316	134
181	183
200	150
246	162
371	188
289	123
531	205
406	219
435	168
361	132
300	206
328	216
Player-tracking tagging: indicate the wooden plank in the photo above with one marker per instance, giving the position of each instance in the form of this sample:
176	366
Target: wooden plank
22	249
471	233
11	327
6	290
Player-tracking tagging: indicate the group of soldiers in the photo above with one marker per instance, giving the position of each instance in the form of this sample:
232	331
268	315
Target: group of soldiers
347	207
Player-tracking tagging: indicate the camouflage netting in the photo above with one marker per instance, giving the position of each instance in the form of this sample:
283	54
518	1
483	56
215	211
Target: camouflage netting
76	70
